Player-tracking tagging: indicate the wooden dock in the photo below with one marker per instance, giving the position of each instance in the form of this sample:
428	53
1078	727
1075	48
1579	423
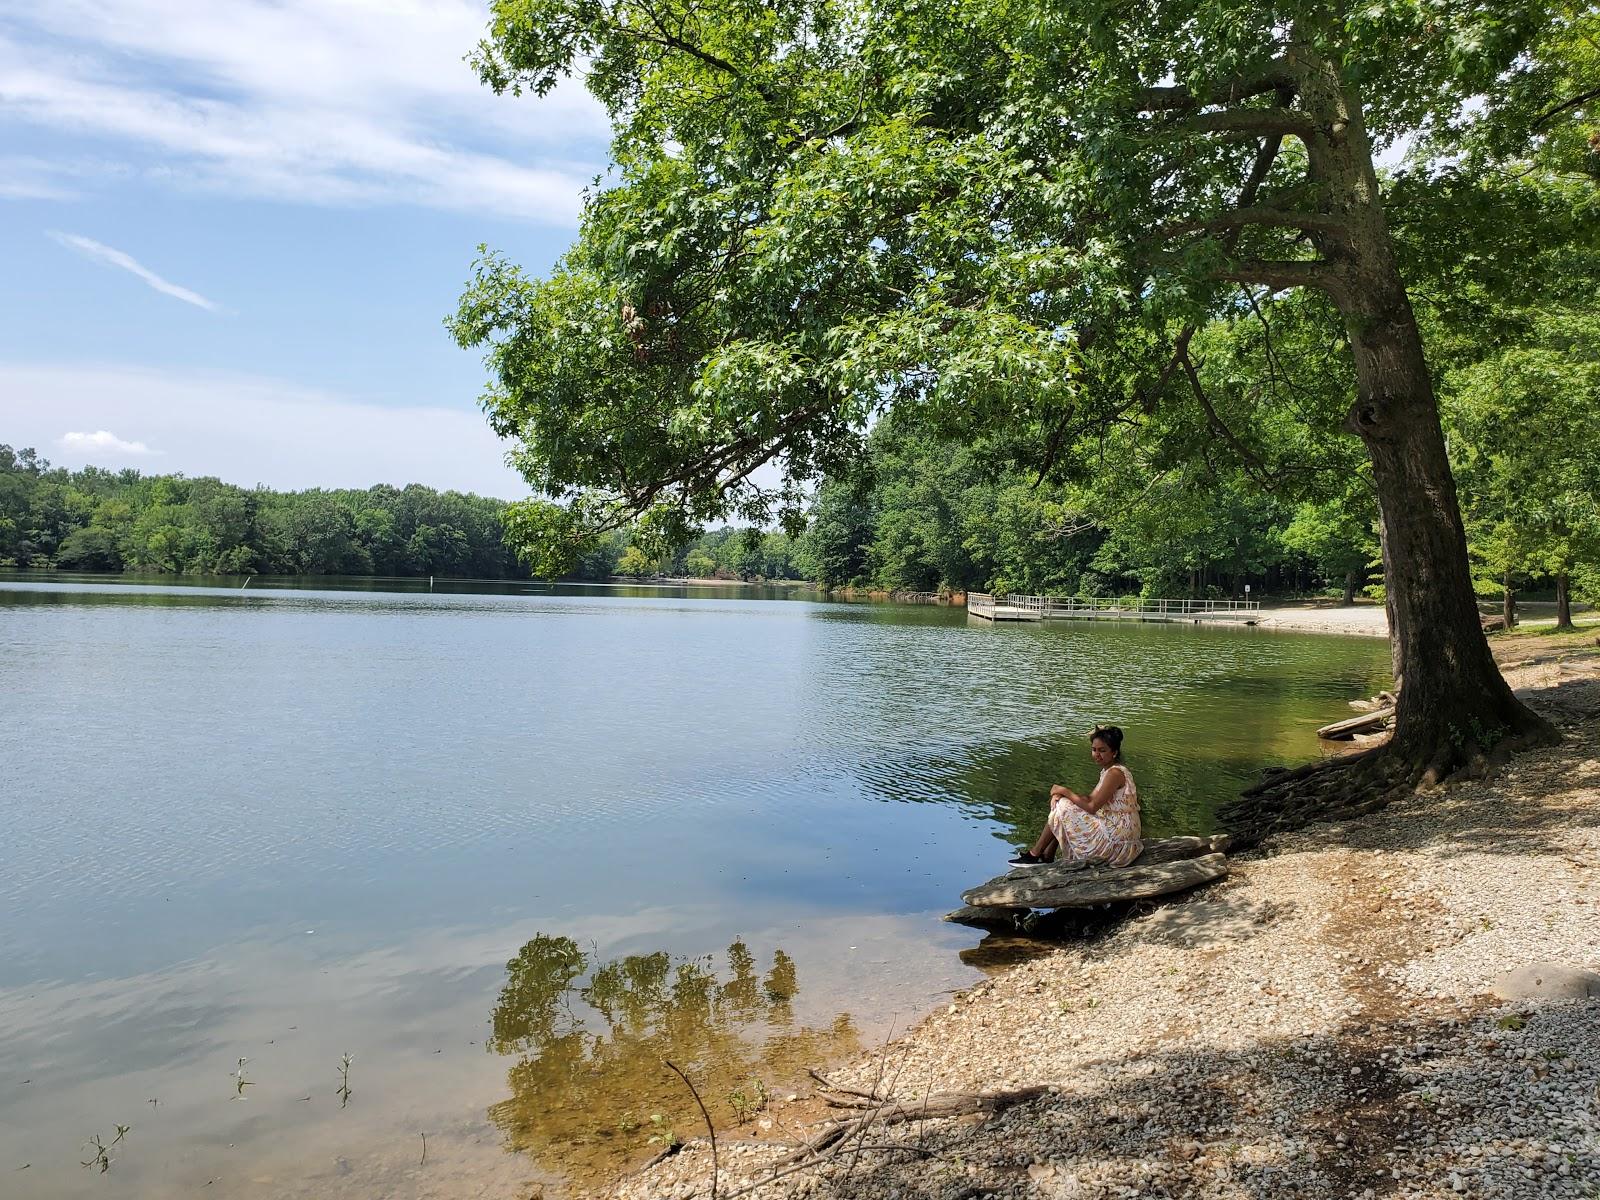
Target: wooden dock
1073	608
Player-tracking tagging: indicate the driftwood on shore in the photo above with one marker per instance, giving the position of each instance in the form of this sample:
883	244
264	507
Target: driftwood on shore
938	1106
1166	865
1369	722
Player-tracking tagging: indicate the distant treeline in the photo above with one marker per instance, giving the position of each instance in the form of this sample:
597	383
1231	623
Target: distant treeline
100	520
725	553
921	517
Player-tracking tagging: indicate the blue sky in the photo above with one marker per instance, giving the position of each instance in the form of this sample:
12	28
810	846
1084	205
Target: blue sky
230	231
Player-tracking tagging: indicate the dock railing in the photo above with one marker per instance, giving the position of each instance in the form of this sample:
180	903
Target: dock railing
1138	606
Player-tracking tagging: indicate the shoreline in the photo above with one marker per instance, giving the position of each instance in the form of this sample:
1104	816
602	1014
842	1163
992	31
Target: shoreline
1360	620
1321	1023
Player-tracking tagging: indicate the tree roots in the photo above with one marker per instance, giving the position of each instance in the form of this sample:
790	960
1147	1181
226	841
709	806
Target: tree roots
1340	788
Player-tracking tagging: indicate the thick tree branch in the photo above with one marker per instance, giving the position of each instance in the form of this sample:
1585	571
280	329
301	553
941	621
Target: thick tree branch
1266	156
1242	218
1247	122
1281	274
1279	76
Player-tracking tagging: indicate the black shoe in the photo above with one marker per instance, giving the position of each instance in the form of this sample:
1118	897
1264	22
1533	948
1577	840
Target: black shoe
1026	859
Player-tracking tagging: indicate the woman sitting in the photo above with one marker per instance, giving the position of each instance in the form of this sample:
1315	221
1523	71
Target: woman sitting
1102	827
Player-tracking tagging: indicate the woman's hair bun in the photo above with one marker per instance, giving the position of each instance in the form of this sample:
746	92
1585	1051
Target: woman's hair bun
1110	735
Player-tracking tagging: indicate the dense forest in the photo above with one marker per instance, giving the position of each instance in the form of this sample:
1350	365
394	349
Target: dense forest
100	520
918	515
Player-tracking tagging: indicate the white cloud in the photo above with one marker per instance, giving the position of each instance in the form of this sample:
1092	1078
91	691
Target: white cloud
116	258
248	429
27	178
102	443
320	101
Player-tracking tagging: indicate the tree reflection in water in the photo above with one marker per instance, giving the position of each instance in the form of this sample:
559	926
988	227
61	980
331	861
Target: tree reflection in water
590	1087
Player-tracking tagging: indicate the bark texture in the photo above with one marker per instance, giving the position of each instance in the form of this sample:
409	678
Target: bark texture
1455	710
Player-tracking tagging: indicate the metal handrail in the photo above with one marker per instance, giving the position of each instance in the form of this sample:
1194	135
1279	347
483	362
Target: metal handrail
1153	605
1069	605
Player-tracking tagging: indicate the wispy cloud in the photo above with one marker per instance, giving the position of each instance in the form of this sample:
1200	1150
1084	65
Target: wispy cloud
101	443
116	258
315	101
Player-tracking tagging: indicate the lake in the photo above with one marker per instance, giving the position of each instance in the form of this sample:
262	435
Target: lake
337	891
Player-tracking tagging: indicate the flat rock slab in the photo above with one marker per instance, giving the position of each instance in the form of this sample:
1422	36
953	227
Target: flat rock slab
1167	865
1548	981
985	916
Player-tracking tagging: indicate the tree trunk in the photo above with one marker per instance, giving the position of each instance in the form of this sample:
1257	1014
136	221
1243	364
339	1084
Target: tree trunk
1455	707
1508	601
1563	601
1350	580
1397	652
1454	704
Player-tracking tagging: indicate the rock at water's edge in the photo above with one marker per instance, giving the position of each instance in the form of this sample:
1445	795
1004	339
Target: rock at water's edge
1548	981
1046	888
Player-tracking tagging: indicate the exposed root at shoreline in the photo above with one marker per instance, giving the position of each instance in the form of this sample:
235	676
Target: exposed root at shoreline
1364	782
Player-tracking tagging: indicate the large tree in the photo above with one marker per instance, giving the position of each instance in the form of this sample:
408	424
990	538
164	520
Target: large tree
1009	221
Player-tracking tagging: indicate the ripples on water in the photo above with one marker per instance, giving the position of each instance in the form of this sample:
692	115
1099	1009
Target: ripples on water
285	825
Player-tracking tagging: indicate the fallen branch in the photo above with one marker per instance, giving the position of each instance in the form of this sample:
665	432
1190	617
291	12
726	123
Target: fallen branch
815	1163
935	1107
710	1128
841	1088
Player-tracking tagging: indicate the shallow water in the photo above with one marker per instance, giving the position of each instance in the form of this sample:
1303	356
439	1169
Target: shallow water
510	848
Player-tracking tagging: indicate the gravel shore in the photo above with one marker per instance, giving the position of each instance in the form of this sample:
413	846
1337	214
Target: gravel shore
1322	1023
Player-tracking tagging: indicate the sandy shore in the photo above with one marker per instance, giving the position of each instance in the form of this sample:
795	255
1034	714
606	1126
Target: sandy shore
1370	620
1365	620
1319	1024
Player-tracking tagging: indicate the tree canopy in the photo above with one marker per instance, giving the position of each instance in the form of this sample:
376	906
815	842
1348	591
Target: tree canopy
996	217
1014	226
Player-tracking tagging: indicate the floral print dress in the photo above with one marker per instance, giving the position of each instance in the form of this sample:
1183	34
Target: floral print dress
1110	836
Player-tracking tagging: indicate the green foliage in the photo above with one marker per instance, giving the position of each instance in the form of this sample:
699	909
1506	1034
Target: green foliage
1529	451
635	561
991	220
97	520
1516	333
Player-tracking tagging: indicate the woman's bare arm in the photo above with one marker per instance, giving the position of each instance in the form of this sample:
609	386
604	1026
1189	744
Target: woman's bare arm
1103	791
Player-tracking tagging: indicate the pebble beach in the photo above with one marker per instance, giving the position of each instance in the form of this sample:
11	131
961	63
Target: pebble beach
1393	1006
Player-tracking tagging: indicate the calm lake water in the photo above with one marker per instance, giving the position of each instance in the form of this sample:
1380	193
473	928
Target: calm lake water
510	848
